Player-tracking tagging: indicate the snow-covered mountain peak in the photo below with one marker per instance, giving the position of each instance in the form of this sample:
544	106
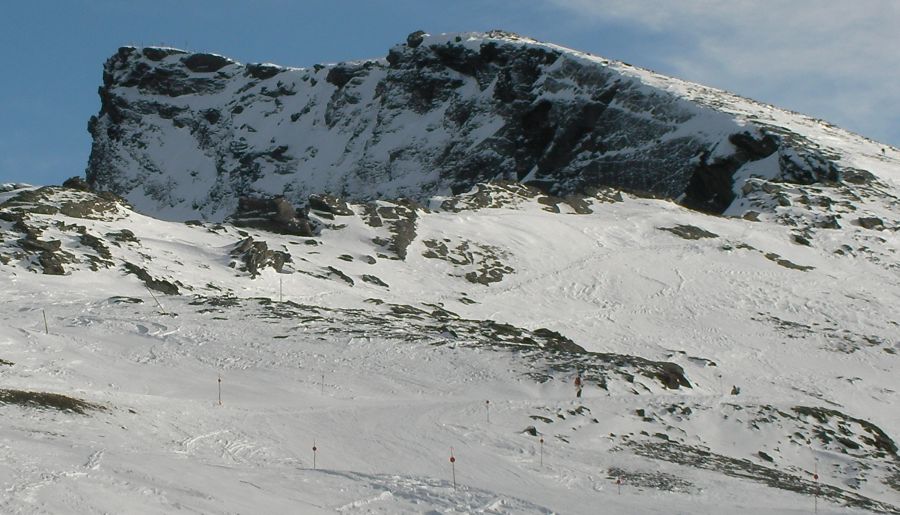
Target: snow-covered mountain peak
184	135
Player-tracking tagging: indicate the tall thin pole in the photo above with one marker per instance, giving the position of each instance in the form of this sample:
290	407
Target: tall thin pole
314	454
323	384
453	467
816	478
280	289
487	409
220	389
46	328
157	300
542	451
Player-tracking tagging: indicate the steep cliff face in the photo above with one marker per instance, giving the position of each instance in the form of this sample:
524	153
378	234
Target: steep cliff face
185	135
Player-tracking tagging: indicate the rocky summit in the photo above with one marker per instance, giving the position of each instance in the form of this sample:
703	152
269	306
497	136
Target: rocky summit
186	135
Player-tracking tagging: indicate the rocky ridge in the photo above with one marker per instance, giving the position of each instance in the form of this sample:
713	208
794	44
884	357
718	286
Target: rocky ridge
186	135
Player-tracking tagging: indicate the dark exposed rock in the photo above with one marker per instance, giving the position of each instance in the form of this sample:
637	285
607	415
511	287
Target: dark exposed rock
212	115
32	245
876	437
76	183
711	183
160	285
51	263
45	400
801	240
374	280
329	204
263	71
340	275
205	63
855	176
273	214
415	39
559	341
123	236
256	255
158	54
744	469
870	222
771	256
400	218
342	74
689	232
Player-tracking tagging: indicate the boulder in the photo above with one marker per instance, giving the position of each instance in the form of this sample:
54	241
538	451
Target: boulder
76	183
329	204
205	63
273	214
870	222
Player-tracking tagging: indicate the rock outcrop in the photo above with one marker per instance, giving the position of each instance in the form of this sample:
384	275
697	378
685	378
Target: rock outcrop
186	135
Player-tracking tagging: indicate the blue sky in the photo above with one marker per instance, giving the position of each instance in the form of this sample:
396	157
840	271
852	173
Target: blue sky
832	59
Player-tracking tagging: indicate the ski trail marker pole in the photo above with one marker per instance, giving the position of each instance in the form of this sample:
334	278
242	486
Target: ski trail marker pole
323	384
220	389
453	467
314	454
542	451
46	329
157	300
280	289
487	409
816	479
619	484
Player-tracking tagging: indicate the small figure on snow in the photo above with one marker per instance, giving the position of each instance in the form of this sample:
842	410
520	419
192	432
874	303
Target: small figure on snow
578	385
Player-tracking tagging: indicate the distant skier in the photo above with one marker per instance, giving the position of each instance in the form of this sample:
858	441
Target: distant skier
578	385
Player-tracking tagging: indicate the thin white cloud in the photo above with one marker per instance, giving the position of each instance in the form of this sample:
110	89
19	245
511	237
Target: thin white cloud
830	58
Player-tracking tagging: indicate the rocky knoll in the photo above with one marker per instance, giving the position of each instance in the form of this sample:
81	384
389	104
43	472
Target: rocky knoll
183	135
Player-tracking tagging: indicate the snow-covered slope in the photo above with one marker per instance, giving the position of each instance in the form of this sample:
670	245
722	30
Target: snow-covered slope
185	135
726	360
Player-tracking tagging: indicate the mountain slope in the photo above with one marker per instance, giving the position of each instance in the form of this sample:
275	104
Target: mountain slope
182	134
786	352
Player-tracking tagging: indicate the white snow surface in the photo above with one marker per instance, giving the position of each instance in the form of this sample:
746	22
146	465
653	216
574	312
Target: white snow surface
384	409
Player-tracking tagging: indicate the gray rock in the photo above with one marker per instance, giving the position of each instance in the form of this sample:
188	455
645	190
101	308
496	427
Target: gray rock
564	125
870	222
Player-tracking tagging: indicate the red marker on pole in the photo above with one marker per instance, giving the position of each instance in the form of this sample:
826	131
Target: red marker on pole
816	479
542	451
619	484
453	467
220	389
314	454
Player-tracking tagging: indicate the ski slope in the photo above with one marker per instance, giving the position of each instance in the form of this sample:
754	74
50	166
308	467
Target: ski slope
384	387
